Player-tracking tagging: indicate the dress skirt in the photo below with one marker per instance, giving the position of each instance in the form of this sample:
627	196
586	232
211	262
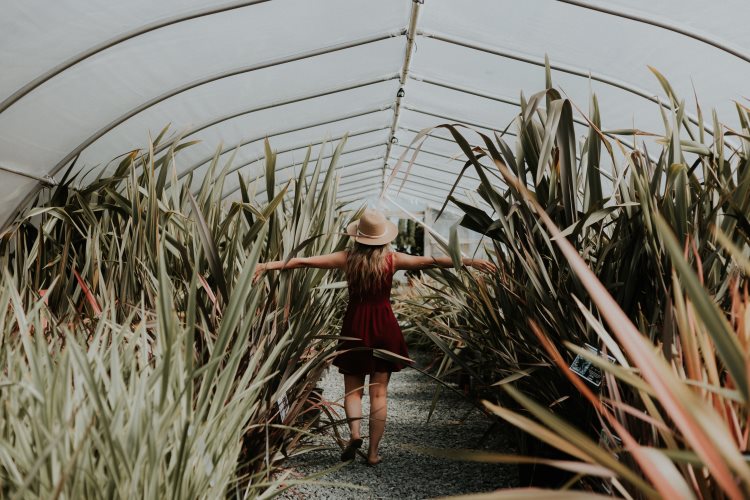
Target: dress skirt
370	321
374	326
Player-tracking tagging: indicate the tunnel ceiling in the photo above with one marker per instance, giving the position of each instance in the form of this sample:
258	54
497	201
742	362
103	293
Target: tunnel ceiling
91	79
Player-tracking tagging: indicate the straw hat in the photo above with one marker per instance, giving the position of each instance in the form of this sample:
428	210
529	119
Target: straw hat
372	229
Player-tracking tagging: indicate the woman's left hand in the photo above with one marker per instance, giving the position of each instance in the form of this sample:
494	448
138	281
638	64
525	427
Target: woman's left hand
260	268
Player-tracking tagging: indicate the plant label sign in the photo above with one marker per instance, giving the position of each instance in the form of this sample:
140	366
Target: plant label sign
283	404
587	371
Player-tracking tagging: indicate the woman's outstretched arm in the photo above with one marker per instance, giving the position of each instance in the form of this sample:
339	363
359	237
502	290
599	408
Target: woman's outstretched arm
412	262
336	260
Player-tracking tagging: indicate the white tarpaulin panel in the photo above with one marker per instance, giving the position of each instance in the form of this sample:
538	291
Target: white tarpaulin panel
94	78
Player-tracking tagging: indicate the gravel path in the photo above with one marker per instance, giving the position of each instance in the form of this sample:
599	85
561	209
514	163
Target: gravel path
406	473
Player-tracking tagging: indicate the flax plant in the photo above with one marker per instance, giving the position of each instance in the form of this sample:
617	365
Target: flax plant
645	258
139	358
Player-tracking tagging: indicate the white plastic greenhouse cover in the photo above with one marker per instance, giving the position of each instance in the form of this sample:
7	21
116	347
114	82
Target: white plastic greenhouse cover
94	77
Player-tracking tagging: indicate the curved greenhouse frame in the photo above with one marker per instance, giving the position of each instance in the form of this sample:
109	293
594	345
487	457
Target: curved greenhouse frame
84	80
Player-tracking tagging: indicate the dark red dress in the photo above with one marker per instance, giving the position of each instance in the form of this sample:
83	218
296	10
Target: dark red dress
370	319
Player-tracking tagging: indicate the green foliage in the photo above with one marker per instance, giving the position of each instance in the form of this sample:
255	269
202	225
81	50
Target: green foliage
644	258
140	359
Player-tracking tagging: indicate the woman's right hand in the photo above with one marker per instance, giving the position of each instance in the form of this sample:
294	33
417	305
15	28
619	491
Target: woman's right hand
484	265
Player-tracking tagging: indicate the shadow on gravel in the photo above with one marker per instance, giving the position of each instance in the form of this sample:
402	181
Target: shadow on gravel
406	473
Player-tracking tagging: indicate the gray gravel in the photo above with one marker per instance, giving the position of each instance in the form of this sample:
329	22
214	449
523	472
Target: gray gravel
404	472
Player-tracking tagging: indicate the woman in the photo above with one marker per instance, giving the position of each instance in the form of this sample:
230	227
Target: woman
369	265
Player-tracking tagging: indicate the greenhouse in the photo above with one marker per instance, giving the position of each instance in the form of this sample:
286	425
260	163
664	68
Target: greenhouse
393	249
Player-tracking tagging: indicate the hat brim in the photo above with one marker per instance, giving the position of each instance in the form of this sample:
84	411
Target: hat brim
391	231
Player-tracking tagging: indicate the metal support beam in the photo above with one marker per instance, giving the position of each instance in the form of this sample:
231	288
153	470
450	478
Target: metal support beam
429	151
437	191
322	173
276	104
568	69
141	30
411	33
416	131
427	200
440	196
464	90
338	167
419	193
352	181
478	202
423	195
446	139
443	187
220	76
436	169
336	119
579	121
47	180
353	192
457	159
308	144
508	133
430	168
346	183
420	176
373	174
313	160
688	32
429	182
191	85
456	120
343	181
483	95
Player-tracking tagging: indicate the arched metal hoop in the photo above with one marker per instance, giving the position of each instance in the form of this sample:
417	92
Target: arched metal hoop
345	194
419	192
392	161
468	176
340	118
327	157
285	102
660	24
571	70
509	133
318	143
307	176
191	85
423	178
203	81
20	93
82	56
443	186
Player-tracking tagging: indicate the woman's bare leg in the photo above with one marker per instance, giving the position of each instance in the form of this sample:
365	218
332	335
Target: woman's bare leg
354	386
378	412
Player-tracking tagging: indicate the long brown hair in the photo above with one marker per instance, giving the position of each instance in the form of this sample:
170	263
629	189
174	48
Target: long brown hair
366	265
